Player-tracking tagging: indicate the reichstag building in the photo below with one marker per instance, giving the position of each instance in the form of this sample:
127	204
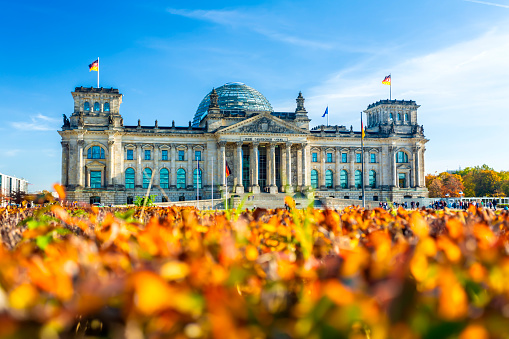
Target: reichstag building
267	152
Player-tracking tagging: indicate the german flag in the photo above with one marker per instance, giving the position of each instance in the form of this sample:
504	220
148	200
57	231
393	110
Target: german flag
387	80
227	169
94	66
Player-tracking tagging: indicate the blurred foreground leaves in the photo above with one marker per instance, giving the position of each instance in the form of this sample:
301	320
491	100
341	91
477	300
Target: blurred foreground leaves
102	272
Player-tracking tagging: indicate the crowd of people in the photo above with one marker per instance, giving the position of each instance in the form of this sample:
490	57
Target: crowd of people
441	204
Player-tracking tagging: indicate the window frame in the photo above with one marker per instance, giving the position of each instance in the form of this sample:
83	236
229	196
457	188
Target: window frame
329	157
314	181
372	158
343	178
344	157
164	179
97	106
126	184
164	155
197	156
181	178
314	157
129	154
181	155
147	155
199	178
358	158
146	178
329	179
358	179
96	184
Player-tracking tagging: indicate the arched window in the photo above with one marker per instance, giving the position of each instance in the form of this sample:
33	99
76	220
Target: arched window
106	107
343	178
401	157
129	178
97	107
329	181
314	179
181	178
197	178
390	116
358	179
95	152
399	117
372	179
130	200
406	116
86	106
147	175
164	178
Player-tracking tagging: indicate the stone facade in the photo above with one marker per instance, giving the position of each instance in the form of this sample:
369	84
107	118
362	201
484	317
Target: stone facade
104	160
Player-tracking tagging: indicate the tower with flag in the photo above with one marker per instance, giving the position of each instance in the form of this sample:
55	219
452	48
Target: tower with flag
94	66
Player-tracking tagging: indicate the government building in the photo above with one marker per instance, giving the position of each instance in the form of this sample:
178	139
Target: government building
266	152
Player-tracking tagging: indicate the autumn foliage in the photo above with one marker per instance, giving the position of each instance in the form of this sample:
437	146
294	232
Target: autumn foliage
311	273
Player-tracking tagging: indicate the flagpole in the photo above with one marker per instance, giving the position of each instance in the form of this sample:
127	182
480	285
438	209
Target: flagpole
197	185
97	72
362	164
390	87
212	183
226	184
327	115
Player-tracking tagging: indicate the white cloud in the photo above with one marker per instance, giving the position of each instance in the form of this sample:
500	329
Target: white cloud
10	152
462	89
38	122
487	3
255	23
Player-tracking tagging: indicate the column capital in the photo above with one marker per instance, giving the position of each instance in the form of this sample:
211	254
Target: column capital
303	145
272	145
221	143
255	144
81	142
111	142
239	143
64	143
338	148
288	144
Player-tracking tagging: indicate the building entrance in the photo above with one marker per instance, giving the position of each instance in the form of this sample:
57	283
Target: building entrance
262	168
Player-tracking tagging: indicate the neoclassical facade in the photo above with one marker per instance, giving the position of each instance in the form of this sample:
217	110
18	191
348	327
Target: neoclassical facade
267	152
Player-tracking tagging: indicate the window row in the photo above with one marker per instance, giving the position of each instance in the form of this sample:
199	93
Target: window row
343	179
344	157
164	178
97	107
405	117
164	155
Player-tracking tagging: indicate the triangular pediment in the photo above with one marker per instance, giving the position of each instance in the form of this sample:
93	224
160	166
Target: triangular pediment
263	123
95	164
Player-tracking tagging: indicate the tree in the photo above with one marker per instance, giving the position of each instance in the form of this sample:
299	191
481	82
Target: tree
452	184
17	197
435	188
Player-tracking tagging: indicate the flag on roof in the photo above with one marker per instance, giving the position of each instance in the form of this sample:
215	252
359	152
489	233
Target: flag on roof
326	112
387	80
94	66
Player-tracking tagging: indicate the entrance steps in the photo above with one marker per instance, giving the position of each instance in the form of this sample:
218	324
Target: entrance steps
267	200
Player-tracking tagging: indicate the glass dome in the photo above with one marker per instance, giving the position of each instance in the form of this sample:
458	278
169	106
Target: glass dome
233	97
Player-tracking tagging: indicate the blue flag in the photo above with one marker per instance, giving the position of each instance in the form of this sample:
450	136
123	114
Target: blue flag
326	112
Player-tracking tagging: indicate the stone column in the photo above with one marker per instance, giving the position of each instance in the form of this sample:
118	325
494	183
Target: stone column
139	170
255	188
65	163
305	167
173	171
189	168
395	182
299	167
222	163
156	181
422	179
337	173
273	188
81	169
366	170
351	175
111	163
321	182
288	151
238	167
415	163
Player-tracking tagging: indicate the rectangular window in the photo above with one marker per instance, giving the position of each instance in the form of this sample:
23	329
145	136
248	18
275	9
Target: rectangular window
329	157
147	154
358	157
181	155
343	157
95	179
197	155
314	157
130	154
164	155
373	158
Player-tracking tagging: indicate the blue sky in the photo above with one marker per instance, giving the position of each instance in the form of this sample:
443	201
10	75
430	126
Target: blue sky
451	56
